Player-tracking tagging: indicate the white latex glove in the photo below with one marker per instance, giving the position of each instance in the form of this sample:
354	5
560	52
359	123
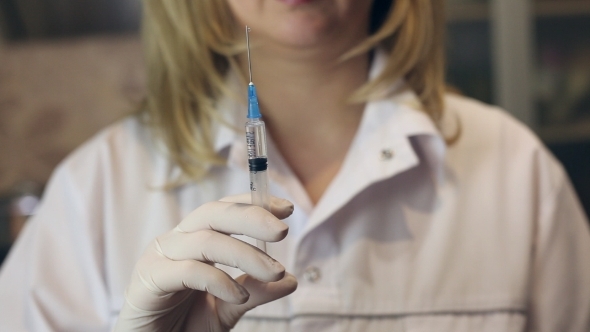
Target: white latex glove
175	286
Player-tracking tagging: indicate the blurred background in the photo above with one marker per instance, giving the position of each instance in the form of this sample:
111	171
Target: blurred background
70	67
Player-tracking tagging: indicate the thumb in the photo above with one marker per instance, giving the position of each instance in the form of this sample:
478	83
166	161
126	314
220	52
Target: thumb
260	293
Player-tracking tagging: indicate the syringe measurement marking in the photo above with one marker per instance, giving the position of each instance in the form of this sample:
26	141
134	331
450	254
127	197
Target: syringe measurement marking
251	143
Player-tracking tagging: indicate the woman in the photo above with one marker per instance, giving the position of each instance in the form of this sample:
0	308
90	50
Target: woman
412	210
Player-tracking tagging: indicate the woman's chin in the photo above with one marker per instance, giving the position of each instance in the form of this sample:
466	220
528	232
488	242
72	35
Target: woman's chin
303	33
296	2
301	40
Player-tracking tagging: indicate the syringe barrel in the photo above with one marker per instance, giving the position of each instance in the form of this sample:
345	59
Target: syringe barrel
258	165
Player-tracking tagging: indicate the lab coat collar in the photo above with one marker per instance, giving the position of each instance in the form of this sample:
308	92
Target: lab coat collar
396	117
383	148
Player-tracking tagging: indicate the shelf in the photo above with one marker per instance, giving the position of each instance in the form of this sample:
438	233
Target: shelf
560	8
575	132
470	12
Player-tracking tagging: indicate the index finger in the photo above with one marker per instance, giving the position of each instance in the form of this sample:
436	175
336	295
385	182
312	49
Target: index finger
235	218
280	207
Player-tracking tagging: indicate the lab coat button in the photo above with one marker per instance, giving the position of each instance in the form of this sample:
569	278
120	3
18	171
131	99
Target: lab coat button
386	154
312	274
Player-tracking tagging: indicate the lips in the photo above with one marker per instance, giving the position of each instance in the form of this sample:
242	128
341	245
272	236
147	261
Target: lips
295	2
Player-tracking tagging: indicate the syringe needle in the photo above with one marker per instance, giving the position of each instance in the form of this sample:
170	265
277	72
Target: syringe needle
248	47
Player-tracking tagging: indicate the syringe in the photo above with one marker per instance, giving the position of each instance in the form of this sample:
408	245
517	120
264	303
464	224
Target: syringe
256	142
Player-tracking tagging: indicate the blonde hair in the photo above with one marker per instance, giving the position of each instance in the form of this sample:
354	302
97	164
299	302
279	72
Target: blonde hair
190	46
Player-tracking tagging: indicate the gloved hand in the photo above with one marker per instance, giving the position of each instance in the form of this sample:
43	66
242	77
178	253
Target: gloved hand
175	287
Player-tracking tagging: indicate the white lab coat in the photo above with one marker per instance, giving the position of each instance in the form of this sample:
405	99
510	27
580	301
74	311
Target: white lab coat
411	235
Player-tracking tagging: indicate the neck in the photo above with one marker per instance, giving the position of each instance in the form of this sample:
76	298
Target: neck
295	87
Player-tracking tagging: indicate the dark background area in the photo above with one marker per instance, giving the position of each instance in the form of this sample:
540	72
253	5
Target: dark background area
575	157
50	19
